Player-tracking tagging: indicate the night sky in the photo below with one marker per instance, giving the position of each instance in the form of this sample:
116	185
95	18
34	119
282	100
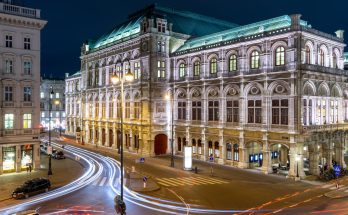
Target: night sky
71	22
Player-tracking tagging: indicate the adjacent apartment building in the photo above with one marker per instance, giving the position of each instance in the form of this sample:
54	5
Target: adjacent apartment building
270	93
54	88
20	29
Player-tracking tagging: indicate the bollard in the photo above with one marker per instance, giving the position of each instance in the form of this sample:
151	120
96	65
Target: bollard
196	170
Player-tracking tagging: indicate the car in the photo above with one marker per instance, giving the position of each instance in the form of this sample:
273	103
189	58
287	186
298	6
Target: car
58	155
28	212
30	187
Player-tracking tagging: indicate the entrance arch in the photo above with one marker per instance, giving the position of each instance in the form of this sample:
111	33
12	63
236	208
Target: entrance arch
255	155
161	141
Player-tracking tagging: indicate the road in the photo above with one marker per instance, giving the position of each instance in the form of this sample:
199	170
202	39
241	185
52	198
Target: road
229	191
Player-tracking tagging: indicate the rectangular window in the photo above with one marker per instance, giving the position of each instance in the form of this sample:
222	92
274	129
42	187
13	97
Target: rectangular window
8	66
26	120
27	94
127	110
232	111
27	68
9	121
213	110
161	68
57	95
280	111
196	110
137	110
181	110
136	70
57	114
42	95
9	41
103	110
96	110
42	114
8	93
118	108
27	43
111	109
254	111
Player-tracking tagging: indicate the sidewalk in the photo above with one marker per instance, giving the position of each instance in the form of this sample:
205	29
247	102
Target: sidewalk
64	171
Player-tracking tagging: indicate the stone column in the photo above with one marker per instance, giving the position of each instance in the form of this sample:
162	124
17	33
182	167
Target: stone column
100	135
36	156
107	143
222	148
205	146
1	160
266	155
313	159
114	137
243	153
296	152
18	158
131	144
94	135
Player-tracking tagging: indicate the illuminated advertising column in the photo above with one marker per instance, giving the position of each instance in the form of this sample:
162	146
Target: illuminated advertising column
187	158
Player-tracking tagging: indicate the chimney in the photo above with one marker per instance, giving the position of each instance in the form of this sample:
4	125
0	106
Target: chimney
66	75
295	21
339	34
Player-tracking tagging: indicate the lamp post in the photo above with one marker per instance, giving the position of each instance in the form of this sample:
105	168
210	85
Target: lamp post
171	98
57	102
49	130
297	160
116	78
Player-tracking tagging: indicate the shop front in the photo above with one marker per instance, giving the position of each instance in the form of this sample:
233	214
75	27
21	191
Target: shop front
27	156
9	159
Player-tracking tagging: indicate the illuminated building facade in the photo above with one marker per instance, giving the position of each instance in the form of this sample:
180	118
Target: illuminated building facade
19	87
57	100
271	93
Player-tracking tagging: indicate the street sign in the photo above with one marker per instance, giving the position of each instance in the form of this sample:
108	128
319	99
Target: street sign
337	170
49	150
145	179
211	159
142	160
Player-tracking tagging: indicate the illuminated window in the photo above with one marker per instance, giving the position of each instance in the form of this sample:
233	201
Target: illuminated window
57	95
229	151
308	55
161	45
196	68
111	109
127	110
9	121
280	56
182	70
233	63
255	60
213	66
235	152
137	108
136	70
334	61
161	68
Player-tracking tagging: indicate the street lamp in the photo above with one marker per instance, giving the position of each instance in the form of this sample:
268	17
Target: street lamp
297	160
57	102
116	78
171	98
49	130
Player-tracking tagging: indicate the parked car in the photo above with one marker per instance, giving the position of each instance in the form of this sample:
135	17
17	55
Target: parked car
58	155
28	212
31	187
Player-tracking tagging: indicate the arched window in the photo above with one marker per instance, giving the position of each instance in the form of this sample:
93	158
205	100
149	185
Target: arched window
233	63
199	146
334	60
213	66
196	68
182	71
280	56
308	55
321	57
216	150
255	60
210	149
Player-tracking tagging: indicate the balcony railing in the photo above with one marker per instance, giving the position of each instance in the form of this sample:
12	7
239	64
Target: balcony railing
328	127
15	132
21	11
27	104
8	104
322	69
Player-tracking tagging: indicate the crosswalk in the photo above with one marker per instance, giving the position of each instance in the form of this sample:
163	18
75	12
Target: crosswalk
101	182
333	187
191	181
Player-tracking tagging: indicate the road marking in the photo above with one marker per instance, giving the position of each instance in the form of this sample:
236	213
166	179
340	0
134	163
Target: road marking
326	186
190	181
96	182
102	182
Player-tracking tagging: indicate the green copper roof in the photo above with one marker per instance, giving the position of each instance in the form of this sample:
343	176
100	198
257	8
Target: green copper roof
184	22
245	30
